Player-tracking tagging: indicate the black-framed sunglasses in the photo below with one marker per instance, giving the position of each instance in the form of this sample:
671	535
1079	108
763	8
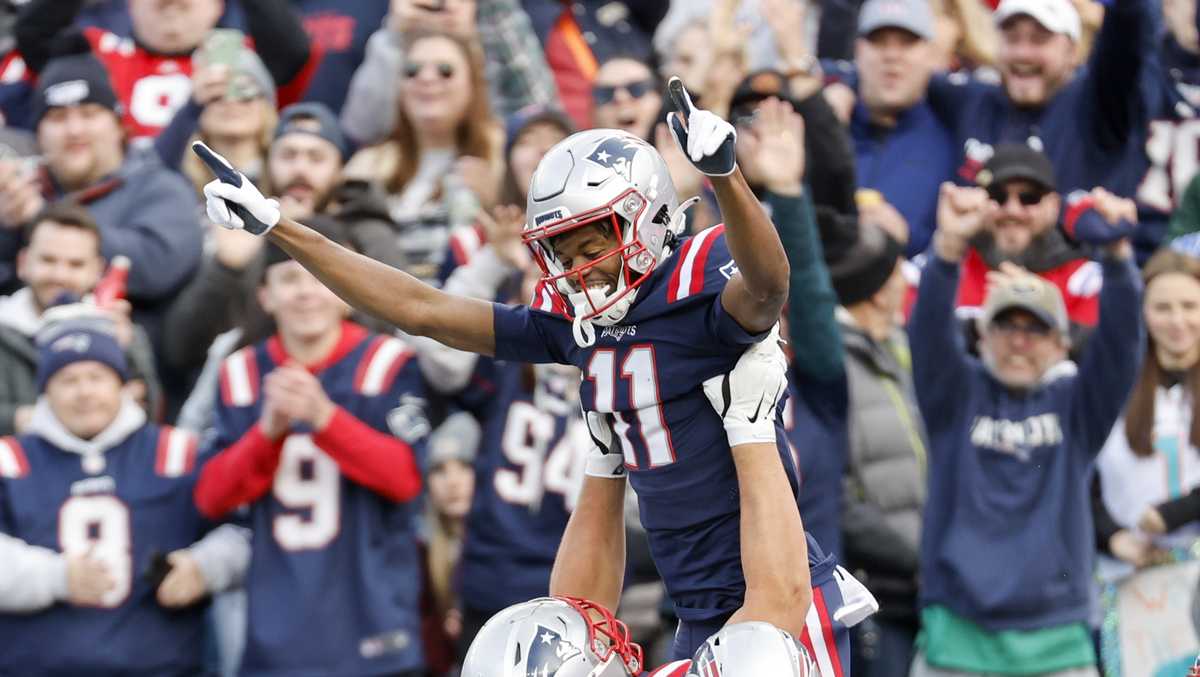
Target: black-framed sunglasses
413	68
602	94
1027	198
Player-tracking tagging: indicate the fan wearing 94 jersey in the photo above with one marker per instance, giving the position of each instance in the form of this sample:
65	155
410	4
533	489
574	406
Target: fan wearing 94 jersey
316	431
650	319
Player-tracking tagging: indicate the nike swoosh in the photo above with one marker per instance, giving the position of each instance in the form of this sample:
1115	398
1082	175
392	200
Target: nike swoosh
756	410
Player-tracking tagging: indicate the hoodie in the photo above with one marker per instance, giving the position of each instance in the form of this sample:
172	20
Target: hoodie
1007	538
125	494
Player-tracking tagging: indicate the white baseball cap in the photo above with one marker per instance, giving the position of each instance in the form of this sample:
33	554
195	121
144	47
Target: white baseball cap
1056	16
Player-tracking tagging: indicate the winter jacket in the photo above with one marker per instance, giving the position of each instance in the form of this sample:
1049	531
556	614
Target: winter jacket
885	476
19	322
1007	539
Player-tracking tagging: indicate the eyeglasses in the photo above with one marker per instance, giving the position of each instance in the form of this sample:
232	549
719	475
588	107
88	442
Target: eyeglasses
1007	326
413	68
602	94
1027	198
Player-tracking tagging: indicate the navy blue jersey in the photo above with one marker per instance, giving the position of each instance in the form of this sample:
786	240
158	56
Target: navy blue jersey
647	374
135	503
527	478
334	579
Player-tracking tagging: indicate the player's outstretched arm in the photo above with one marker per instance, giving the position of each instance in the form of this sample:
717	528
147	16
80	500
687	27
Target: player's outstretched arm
234	202
774	550
756	296
591	556
390	294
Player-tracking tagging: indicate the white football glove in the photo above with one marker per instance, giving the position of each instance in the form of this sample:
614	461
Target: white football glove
747	398
233	188
605	458
708	141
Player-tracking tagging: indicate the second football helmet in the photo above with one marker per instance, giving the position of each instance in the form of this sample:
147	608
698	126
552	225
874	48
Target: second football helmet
553	637
752	649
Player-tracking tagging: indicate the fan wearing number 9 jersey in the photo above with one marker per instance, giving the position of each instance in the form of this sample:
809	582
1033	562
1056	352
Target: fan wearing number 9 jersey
92	487
333	586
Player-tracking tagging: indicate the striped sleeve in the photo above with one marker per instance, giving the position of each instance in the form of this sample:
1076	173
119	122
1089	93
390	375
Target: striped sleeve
704	265
239	378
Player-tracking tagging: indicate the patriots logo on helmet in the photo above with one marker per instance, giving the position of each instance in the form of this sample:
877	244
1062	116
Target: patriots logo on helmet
548	652
617	153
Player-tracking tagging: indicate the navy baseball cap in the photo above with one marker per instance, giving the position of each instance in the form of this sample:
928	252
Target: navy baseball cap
315	119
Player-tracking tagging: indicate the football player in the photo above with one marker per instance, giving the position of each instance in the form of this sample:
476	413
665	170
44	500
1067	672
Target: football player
568	637
646	315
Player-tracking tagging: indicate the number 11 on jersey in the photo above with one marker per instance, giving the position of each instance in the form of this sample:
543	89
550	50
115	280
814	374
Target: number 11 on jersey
640	370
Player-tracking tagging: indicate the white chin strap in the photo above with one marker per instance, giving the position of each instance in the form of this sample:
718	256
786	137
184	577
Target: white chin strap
584	302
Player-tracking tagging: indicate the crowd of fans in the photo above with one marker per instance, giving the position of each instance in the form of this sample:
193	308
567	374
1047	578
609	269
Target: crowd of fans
992	215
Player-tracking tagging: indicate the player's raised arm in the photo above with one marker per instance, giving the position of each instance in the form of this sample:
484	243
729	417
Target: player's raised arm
366	284
756	296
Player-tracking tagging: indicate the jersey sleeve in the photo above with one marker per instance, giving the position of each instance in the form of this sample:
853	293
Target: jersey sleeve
702	269
378	445
527	335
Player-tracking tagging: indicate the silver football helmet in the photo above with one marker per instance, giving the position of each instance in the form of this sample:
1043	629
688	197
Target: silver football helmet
752	649
553	637
612	178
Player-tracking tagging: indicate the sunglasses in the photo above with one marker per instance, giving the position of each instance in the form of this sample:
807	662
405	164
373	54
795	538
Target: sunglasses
413	68
602	94
1008	327
1027	198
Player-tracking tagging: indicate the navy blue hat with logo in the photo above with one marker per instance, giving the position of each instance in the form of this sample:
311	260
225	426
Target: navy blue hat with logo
315	119
80	335
71	81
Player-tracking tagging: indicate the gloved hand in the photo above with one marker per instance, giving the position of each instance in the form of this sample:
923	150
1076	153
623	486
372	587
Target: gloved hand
605	458
232	201
747	397
707	140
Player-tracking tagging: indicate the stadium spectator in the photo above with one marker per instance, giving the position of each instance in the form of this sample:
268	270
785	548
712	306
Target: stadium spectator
1011	439
151	71
827	144
340	29
232	109
317	431
1024	231
145	211
444	159
1083	118
1149	470
901	149
626	95
1169	157
95	509
885	470
450	476
61	262
516	74
578	36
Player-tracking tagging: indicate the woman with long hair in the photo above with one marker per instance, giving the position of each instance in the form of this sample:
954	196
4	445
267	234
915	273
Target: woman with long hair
444	161
1151	462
